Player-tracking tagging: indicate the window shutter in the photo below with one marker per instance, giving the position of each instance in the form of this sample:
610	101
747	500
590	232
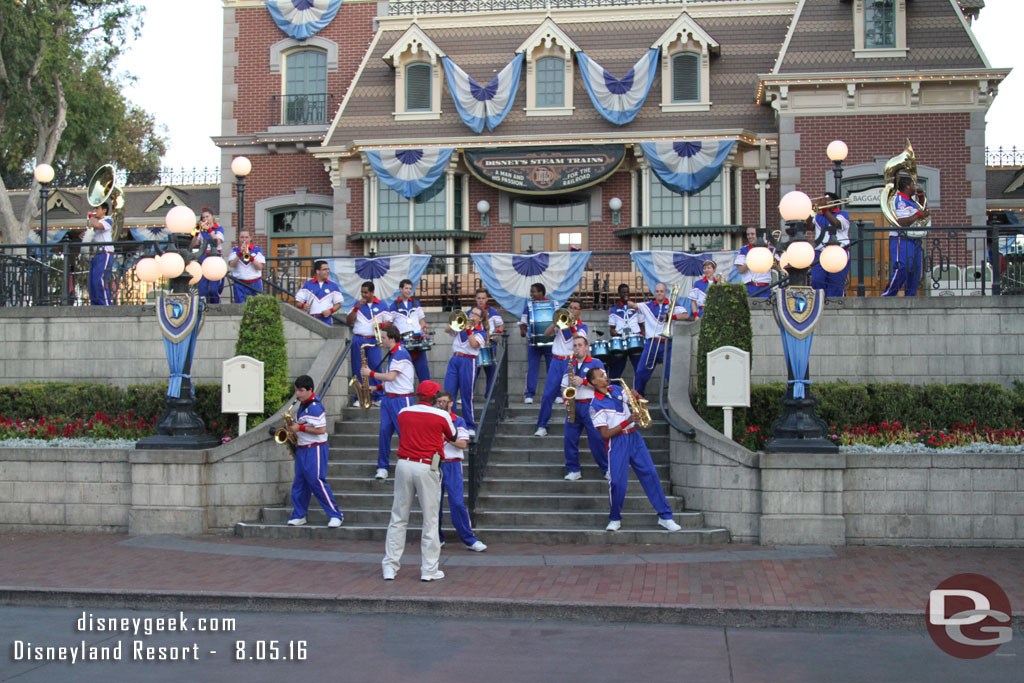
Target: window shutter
417	87
686	77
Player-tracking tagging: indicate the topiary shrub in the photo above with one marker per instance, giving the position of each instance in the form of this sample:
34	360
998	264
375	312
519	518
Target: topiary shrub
261	336
725	322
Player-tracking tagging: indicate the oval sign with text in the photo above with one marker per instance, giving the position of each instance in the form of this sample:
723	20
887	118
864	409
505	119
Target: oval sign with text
545	170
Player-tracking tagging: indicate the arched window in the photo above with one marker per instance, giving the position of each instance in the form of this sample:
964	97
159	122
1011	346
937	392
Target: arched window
686	77
551	82
305	89
418	87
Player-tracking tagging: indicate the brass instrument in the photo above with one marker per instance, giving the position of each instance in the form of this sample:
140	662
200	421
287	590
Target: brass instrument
569	393
638	407
816	207
378	332
284	437
362	384
904	162
563	319
245	255
101	188
666	332
458	321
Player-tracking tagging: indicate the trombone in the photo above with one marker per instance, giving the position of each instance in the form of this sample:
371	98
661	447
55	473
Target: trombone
458	321
562	318
665	335
817	206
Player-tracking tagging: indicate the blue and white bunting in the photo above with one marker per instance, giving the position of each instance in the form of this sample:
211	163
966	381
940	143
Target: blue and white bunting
409	171
301	19
508	276
480	105
619	99
35	236
687	166
385	272
150	234
679	268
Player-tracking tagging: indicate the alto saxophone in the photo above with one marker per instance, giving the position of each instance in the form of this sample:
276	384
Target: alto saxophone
569	393
362	384
642	417
283	436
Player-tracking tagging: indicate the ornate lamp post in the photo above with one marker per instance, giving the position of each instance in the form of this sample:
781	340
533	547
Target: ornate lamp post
837	151
798	310
180	316
44	174
241	167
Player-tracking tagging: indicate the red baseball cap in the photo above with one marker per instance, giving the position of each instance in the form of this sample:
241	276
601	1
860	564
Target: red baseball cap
426	390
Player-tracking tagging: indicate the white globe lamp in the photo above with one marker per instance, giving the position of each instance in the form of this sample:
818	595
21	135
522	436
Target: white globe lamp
214	268
801	254
795	206
759	259
837	150
171	265
241	166
195	270
147	270
180	220
833	258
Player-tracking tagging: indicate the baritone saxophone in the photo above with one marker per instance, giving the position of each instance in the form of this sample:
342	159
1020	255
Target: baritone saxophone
569	393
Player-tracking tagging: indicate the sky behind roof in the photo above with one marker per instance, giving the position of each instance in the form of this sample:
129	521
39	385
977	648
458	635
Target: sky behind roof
183	92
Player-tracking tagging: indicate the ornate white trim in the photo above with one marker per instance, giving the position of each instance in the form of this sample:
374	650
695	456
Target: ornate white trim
278	50
162	200
416	46
686	35
414	41
548	40
860	52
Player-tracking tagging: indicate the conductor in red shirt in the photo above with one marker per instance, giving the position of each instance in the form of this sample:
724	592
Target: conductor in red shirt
423	431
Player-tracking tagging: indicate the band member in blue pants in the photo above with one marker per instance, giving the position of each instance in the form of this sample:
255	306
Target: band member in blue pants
460	378
310	429
396	383
452	480
580	365
533	353
653	315
905	252
561	354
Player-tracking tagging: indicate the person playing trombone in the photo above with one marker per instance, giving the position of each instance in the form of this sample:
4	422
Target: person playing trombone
656	318
830	218
460	378
561	354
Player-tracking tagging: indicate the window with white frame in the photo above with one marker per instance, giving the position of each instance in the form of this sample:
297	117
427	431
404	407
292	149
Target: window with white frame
550	82
305	88
686	51
433	210
417	62
670	209
880	29
549	71
685	77
417	87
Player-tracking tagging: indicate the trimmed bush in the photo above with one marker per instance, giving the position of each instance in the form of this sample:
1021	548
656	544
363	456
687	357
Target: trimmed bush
261	336
725	322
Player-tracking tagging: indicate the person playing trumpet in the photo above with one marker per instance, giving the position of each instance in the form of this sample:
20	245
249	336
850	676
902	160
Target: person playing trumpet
460	378
756	283
905	252
561	354
209	239
247	262
832	219
581	364
655	317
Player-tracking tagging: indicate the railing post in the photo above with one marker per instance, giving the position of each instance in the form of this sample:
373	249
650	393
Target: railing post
993	258
861	290
65	285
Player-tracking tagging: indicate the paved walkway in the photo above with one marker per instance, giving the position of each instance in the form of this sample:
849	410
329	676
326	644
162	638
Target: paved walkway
723	585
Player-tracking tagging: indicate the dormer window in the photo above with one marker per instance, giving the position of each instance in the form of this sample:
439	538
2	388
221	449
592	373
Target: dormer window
417	62
685	66
686	77
880	29
550	82
417	87
549	71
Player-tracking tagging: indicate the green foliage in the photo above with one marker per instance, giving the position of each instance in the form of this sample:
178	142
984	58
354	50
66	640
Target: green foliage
725	322
261	336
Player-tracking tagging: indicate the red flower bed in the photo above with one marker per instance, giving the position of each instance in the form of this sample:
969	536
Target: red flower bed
888	433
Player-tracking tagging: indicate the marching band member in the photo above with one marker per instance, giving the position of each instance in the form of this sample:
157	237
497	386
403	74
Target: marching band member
905	252
320	297
103	258
210	239
754	282
836	222
561	353
361	318
494	324
452	480
311	452
610	413
408	317
397	385
622	321
817	272
700	288
581	364
460	378
533	353
653	316
246	261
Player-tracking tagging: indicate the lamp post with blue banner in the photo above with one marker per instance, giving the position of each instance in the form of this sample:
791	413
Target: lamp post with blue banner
180	317
798	309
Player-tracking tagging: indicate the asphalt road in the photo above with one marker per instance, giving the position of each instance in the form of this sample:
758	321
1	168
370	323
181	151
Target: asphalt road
379	648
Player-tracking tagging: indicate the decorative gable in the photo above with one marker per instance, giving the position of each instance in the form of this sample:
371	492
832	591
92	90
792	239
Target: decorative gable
167	199
686	50
548	41
60	201
417	44
417	62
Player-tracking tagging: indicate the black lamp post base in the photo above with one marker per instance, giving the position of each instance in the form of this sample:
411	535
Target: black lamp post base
177	442
179	427
800	430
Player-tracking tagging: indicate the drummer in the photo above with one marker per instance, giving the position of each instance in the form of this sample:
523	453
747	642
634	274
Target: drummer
460	378
494	325
653	314
533	352
623	321
408	317
561	354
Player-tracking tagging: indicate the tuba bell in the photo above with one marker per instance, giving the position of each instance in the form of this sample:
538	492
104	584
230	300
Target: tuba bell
102	189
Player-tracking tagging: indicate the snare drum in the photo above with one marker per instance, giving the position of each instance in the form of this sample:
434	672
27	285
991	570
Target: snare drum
416	342
540	315
634	344
599	348
618	345
487	356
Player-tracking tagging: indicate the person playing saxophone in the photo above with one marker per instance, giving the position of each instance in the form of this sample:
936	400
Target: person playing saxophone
612	415
367	314
397	384
579	366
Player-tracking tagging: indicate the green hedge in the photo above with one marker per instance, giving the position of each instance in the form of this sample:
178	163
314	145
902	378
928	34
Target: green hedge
725	322
261	336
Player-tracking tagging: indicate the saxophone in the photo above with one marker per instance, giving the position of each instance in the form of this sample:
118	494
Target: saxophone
569	393
362	384
638	407
282	436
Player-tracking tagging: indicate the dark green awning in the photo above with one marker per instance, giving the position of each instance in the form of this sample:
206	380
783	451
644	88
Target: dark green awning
417	235
680	230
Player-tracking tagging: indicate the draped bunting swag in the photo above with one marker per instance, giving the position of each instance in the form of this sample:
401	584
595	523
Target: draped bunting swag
619	99
678	268
385	272
150	234
508	276
409	171
483	105
301	19
687	166
52	236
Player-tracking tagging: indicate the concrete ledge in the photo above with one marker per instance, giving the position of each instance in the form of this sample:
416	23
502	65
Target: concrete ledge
803	529
800	461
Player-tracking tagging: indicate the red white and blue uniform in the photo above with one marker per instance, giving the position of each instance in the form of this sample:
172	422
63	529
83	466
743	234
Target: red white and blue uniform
321	297
905	253
460	378
398	394
835	283
533	356
653	314
102	261
623	321
407	315
561	354
584	395
362	335
249	278
625	450
311	463
452	482
754	282
210	245
492	320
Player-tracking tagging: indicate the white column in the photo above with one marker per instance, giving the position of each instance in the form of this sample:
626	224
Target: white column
762	187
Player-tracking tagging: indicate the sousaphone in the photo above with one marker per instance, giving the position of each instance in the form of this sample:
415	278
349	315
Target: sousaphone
102	189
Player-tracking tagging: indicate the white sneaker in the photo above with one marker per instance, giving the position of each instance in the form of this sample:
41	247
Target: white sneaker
436	576
382	474
389	573
607	476
573	476
559	399
334	523
356	403
669	524
477	547
528	400
613	525
376	404
541	431
297	521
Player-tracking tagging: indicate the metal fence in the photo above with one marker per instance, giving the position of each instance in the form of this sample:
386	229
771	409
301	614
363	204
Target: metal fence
123	178
491	415
408	7
1004	156
302	110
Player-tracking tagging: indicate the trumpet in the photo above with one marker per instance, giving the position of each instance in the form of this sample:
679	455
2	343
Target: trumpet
642	417
458	321
817	206
563	319
245	255
283	436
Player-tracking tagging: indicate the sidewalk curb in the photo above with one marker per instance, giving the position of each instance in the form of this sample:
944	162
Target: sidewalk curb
749	617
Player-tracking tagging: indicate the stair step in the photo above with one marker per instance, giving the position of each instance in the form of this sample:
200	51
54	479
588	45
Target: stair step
555	487
538	470
566	502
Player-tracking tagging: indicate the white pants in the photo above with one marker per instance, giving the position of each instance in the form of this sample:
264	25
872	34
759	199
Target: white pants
414	478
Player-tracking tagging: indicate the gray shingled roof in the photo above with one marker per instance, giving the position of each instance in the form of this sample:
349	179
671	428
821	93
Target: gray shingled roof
998	179
749	45
137	199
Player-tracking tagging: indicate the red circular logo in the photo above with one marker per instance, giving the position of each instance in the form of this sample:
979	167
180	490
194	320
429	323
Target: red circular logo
968	616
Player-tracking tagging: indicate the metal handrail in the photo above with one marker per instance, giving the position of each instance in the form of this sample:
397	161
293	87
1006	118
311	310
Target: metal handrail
493	412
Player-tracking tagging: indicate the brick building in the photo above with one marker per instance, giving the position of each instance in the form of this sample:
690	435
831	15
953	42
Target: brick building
778	78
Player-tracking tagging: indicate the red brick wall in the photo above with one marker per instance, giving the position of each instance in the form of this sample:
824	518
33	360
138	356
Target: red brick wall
355	213
750	198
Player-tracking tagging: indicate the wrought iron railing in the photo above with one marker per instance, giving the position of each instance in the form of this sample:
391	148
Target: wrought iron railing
407	7
1004	156
302	110
123	178
491	415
